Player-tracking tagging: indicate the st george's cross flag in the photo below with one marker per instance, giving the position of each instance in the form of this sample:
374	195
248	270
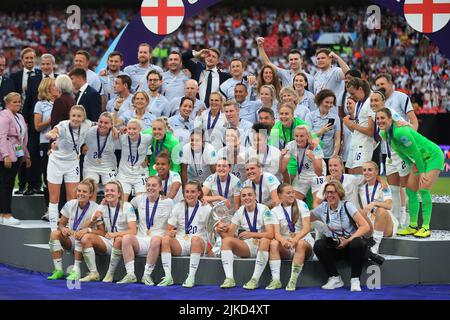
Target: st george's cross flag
427	16
162	16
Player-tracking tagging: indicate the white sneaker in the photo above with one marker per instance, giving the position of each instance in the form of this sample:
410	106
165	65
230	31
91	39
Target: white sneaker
333	283
11	221
355	284
1	219
375	248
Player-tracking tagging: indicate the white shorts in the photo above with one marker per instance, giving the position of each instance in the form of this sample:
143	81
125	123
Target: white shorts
57	170
137	183
72	240
109	243
358	154
253	248
105	177
303	183
144	245
308	238
186	244
397	165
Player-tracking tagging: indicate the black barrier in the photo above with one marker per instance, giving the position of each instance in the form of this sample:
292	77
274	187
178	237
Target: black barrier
435	127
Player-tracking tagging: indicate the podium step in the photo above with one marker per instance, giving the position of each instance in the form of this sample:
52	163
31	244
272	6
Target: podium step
433	254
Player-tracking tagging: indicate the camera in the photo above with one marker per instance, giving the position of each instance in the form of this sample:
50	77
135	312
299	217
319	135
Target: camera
333	242
376	258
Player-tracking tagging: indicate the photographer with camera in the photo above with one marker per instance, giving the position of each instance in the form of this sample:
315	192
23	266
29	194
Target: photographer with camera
346	228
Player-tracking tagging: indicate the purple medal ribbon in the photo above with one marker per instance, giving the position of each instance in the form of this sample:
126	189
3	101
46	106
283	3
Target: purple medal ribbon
289	219
78	220
149	219
159	146
75	145
188	221
227	187
369	200
116	215
389	141
137	150
100	150
260	188
252	227
209	126
300	164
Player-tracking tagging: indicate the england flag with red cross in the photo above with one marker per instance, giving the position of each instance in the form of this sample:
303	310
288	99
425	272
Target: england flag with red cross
162	16
427	16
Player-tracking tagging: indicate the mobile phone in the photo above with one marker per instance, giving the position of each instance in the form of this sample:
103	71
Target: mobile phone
331	121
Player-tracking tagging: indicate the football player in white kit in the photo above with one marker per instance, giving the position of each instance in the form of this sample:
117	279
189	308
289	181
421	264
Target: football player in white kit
64	160
234	152
376	205
133	170
154	211
223	185
74	215
362	126
253	225
292	237
310	164
198	159
171	180
186	234
114	218
265	184
100	161
397	170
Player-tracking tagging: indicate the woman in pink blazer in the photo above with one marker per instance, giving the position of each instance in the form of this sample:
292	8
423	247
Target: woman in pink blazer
13	150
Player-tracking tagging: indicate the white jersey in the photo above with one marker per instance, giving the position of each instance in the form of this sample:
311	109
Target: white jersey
362	115
379	196
269	160
263	218
212	128
162	214
234	188
300	153
199	162
280	216
167	184
100	156
74	213
125	215
67	149
400	102
268	184
198	225
350	182
237	163
131	163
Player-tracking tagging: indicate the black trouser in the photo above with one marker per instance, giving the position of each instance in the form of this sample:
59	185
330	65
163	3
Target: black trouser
22	171
43	147
376	156
326	165
33	173
7	180
355	251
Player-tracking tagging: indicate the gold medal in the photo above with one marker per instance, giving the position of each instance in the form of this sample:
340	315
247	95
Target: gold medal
149	232
292	235
389	161
154	167
255	242
99	161
186	237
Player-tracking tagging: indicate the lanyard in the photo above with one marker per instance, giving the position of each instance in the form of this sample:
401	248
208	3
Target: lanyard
209	126
227	187
133	162
260	187
284	134
188	221
75	146
370	199
116	215
100	150
359	106
252	227
300	164
343	232
289	218
77	220
389	141
159	146
195	165
149	219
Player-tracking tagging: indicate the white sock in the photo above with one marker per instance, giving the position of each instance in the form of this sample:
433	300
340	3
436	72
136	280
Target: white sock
396	202
227	262
53	215
149	269
76	266
166	260
58	264
275	266
89	258
260	264
129	266
193	264
377	236
296	269
116	254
